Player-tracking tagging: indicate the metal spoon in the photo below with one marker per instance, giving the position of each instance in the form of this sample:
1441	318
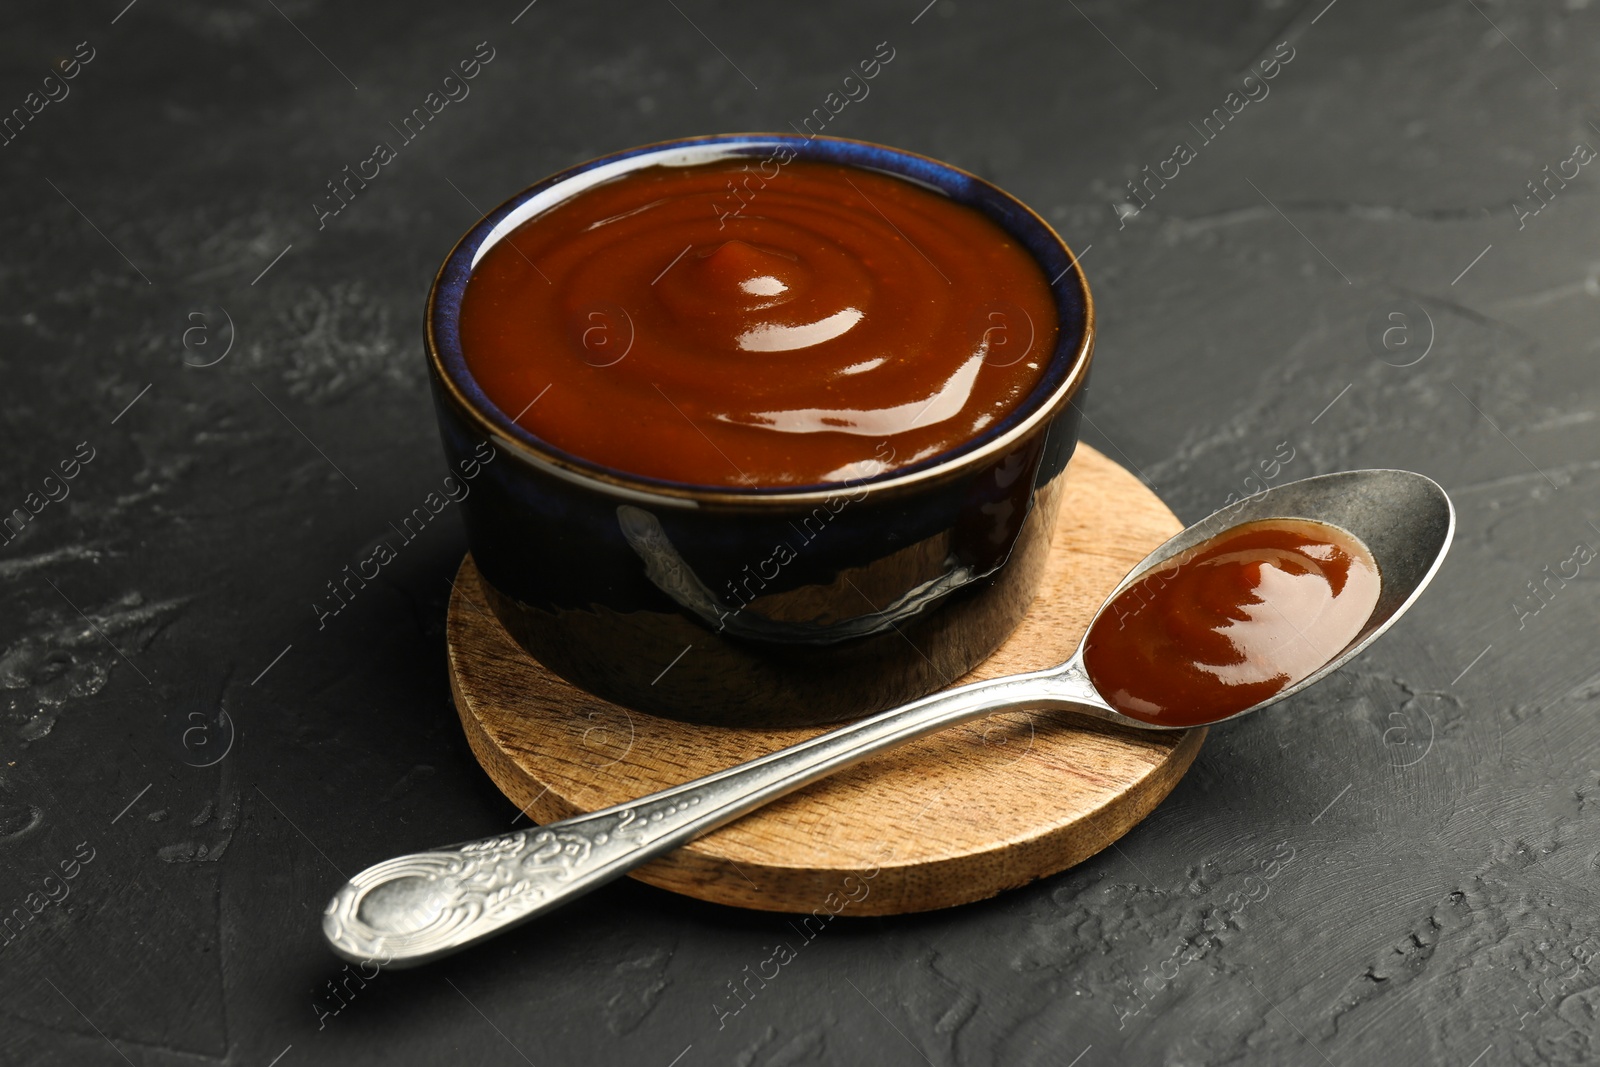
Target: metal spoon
416	908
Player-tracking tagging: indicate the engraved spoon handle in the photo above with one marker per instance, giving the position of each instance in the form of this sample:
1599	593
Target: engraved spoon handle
416	908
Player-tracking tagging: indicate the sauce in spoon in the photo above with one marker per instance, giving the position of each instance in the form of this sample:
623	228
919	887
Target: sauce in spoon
1232	621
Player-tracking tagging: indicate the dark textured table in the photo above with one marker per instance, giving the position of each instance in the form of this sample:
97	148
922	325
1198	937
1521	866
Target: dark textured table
1334	259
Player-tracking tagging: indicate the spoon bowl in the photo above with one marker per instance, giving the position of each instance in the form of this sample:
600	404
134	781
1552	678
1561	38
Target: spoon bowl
1405	519
422	906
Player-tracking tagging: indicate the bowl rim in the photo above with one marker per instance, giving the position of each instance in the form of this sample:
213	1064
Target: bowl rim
502	430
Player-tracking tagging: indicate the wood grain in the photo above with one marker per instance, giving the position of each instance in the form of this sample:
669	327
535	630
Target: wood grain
951	818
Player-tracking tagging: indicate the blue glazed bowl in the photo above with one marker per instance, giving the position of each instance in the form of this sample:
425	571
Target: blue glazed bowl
759	607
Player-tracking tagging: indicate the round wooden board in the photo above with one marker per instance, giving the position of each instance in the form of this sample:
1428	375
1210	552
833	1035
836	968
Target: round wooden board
951	818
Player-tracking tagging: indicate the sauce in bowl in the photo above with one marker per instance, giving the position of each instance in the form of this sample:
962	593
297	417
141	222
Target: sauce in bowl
1232	621
727	325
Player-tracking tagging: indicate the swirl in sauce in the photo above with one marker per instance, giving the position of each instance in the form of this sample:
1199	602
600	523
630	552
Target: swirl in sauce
842	324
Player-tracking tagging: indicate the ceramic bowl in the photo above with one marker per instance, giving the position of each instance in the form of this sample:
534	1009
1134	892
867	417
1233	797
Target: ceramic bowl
677	600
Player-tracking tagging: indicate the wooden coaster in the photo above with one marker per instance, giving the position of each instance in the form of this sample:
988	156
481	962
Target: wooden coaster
948	819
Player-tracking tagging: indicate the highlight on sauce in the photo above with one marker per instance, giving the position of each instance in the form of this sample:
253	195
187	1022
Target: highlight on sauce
1232	621
840	324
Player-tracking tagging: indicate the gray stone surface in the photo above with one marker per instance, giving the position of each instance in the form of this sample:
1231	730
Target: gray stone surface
1397	866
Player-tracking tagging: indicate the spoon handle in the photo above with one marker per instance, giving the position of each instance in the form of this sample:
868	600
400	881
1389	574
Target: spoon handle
412	909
